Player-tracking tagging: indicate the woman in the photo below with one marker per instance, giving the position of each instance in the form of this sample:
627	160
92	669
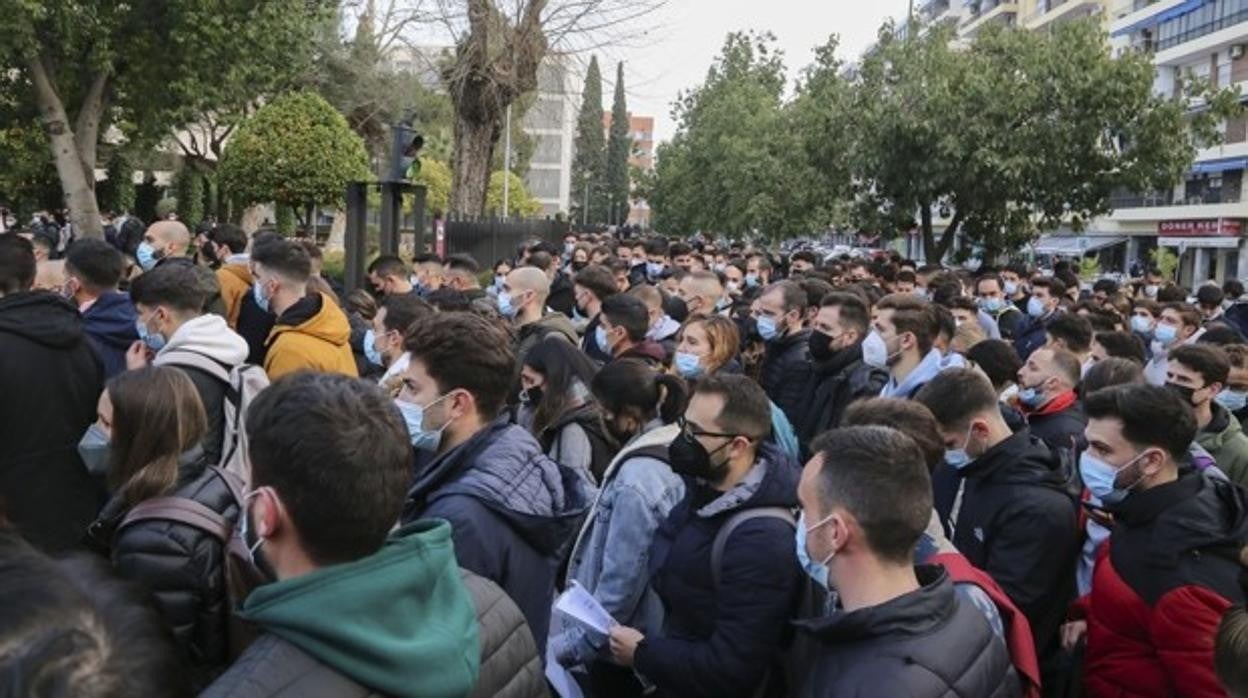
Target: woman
556	407
639	489
706	345
155	422
501	269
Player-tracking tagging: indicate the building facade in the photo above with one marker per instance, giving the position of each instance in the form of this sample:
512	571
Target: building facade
641	156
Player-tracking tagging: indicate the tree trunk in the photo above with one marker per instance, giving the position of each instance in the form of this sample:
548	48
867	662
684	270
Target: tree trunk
337	241
474	148
79	189
935	250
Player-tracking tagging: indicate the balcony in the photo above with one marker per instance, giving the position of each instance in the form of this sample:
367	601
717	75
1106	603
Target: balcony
1198	31
1205	197
982	12
1053	11
933	9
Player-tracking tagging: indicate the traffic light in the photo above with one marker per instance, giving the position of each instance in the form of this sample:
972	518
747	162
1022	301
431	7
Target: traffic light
405	145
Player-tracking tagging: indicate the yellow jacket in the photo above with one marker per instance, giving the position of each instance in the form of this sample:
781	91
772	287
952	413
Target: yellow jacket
312	335
235	280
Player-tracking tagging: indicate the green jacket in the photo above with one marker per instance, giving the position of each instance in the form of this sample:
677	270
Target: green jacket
1228	445
399	621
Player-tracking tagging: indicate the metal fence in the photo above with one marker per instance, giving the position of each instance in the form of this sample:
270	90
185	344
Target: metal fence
491	239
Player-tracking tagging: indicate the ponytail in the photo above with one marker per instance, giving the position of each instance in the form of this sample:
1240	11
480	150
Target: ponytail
673	397
632	386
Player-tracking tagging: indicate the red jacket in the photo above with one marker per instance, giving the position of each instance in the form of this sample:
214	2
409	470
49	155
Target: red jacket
1160	586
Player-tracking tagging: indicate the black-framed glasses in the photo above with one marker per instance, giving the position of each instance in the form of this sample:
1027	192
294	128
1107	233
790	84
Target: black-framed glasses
690	429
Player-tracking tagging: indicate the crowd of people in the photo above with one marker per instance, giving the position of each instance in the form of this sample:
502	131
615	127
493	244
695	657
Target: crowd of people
221	473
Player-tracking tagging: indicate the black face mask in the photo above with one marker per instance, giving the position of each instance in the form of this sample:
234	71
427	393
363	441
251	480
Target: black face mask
577	266
821	346
689	457
1184	392
531	396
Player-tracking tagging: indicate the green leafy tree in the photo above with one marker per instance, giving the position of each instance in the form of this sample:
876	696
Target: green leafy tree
619	148
296	151
119	186
436	177
589	161
519	202
189	191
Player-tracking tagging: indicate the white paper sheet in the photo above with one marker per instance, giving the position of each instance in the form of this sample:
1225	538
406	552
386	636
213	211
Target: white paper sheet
582	607
560	679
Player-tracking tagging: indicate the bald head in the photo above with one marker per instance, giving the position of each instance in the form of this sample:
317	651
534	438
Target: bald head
168	238
701	292
529	279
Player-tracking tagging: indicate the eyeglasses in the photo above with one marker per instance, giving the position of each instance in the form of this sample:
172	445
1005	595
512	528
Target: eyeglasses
691	430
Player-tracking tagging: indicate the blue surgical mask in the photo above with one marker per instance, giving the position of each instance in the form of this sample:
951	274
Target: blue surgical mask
1141	324
653	269
154	340
992	305
958	458
146	256
257	292
1035	307
688	365
818	571
505	305
600	337
1031	397
767	328
370	349
1233	400
1011	287
414	416
93	448
1100	477
1166	334
751	280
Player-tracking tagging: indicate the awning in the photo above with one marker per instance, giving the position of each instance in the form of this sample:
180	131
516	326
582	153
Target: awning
1075	244
1153	20
1189	243
1222	165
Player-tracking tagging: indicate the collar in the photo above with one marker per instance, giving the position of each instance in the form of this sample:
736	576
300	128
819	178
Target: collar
1142	507
1060	402
841	360
1220	420
739	494
922	373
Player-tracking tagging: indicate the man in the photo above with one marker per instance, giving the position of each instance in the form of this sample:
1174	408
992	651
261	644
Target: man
992	298
1102	291
757	272
163	241
906	282
460	273
722	625
428	272
93	269
389	276
1073	333
523	300
513	511
1047	397
905	329
50	380
1171	566
593	285
622	327
396	315
786	370
1197	373
1011	514
839	375
1042	308
1014	284
1209	303
681	255
311	332
620	270
1234	396
901	630
226	247
327	487
169	301
662	329
702	293
1177	324
803	262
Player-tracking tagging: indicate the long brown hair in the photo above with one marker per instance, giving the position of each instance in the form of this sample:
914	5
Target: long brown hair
157	416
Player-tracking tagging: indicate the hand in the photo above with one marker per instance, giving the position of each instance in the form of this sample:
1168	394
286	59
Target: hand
1072	632
624	641
136	356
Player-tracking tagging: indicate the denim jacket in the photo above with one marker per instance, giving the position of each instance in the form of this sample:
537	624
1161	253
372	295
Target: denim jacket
610	559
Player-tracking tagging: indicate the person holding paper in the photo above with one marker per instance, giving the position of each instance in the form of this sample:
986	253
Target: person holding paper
638	490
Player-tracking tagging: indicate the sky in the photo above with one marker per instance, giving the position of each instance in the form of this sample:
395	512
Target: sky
686	35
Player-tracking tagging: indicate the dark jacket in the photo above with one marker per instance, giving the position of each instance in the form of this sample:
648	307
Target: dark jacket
50	380
110	326
510	665
834	385
648	351
787	373
1009	321
562	298
589	342
182	567
1160	587
1018	523
254	325
924	644
513	511
1029	334
721	642
1061	426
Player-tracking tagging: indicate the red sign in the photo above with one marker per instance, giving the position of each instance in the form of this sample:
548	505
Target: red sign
1204	227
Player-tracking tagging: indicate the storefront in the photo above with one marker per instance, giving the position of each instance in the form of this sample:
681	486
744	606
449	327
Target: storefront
1208	248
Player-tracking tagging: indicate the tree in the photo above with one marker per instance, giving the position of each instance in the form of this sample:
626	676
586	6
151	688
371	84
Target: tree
519	203
619	148
119	193
188	189
589	161
296	151
1016	134
144	66
436	177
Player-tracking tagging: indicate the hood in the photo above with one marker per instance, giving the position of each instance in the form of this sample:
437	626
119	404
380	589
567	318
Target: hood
1021	459
557	322
209	335
398	621
110	321
772	482
41	317
916	613
1196	511
239	271
920	375
648	349
315	315
1223	427
504	468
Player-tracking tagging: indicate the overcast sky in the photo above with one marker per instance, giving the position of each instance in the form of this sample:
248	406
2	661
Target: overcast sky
689	34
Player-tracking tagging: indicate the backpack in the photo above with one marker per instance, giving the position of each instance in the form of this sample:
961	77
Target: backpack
241	573
243	383
792	659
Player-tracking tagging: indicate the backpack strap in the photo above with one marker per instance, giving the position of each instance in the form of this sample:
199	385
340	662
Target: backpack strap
194	359
180	510
725	532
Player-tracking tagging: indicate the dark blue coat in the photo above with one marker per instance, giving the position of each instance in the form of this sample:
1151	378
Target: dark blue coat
1029	336
513	512
109	324
721	643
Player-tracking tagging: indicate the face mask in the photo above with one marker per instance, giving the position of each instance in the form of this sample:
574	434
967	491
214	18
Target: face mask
93	449
719	268
146	256
531	396
920	292
1100	478
257	292
568	247
414	417
244	528
154	340
1141	324
1166	334
767	328
818	571
506	306
751	280
1233	400
688	365
958	458
499	280
638	262
370	349
874	350
653	269
577	266
689	457
1035	307
733	287
1151	291
1011	287
600	336
1031	397
992	305
1184	392
821	346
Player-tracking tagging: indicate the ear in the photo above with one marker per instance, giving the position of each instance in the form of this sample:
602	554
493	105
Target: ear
266	513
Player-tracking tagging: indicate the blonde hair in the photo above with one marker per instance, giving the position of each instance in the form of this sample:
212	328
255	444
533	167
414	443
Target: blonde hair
721	333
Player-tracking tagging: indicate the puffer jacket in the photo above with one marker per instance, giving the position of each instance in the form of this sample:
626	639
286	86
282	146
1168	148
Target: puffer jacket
1224	439
235	281
311	335
181	566
110	325
551	324
510	667
787	372
924	644
835	384
513	511
1060	423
